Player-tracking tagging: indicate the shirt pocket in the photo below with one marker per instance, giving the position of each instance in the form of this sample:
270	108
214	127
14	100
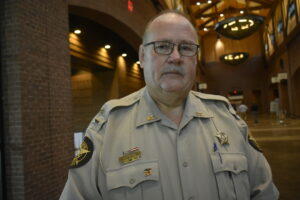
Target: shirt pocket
136	181
231	171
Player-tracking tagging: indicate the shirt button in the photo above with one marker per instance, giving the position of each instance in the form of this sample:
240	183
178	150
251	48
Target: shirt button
132	181
185	164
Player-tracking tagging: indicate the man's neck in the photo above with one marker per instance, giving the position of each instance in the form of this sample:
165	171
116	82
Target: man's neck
170	104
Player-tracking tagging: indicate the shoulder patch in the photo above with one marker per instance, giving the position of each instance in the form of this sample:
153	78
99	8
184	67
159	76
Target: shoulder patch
85	154
253	143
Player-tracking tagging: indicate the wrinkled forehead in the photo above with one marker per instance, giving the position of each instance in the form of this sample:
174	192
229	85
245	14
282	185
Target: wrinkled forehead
170	26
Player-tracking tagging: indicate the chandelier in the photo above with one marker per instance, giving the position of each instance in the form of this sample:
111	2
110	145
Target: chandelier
239	27
234	58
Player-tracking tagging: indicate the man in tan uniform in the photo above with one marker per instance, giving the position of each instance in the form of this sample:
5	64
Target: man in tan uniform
166	141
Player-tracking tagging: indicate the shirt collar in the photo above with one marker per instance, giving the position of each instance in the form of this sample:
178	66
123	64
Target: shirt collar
194	107
148	111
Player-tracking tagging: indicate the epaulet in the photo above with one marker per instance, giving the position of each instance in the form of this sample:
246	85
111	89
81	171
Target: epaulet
123	102
104	112
215	98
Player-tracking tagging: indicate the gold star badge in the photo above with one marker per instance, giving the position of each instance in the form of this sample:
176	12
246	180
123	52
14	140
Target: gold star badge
223	138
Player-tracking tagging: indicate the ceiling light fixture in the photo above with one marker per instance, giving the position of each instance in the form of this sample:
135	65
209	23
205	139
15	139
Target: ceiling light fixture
209	1
205	29
107	46
221	15
198	3
242	12
124	54
234	58
77	31
239	27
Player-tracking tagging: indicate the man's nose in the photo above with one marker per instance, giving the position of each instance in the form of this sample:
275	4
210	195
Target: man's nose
175	56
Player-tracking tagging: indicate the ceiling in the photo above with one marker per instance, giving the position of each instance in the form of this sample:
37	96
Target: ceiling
206	14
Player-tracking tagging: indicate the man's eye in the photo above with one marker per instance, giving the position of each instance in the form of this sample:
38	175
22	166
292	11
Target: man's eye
186	47
163	46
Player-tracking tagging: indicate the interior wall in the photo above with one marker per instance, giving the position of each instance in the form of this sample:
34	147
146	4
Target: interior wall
294	74
221	78
115	15
296	91
99	74
214	46
91	89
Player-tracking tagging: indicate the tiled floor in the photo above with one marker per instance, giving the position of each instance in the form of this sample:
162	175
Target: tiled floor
281	145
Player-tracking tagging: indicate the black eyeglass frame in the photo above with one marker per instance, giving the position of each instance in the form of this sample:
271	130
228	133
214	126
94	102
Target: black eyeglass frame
173	44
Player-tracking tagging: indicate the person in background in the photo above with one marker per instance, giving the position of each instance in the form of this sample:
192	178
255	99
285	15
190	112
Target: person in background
242	110
166	142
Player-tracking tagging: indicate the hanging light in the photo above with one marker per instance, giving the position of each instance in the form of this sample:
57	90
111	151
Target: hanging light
239	27
234	58
107	46
77	31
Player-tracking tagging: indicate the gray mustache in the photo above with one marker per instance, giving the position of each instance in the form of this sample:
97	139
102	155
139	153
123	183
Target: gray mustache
173	69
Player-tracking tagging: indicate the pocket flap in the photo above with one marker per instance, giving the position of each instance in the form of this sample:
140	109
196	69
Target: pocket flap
233	162
132	175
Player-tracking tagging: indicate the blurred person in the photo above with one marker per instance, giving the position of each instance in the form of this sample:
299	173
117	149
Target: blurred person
242	110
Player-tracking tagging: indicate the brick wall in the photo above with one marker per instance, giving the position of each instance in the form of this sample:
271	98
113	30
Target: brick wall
37	96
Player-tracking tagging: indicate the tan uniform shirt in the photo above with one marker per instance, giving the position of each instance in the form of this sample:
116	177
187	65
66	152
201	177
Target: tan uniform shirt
137	153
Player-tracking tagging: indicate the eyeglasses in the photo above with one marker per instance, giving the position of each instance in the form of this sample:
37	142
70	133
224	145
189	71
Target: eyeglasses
166	48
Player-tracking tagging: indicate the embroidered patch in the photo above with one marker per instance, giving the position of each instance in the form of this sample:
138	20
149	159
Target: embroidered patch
253	143
85	154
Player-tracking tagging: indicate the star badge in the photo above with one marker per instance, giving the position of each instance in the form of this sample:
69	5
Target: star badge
222	137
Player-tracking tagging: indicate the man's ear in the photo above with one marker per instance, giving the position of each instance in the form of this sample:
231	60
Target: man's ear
141	56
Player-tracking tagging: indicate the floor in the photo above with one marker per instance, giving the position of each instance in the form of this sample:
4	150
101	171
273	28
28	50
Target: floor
280	141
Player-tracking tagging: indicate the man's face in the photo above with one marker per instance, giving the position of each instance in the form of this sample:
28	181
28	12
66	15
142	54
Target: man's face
174	72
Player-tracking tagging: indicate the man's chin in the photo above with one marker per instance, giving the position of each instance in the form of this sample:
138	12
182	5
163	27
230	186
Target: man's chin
172	88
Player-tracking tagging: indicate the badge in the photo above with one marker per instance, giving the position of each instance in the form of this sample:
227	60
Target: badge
147	172
223	138
85	154
150	117
130	156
